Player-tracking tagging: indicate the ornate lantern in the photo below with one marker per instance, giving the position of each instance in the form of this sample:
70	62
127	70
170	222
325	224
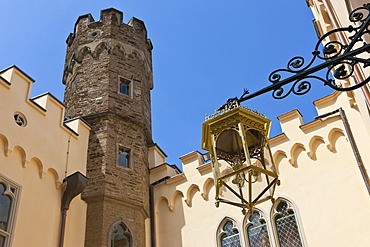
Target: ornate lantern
243	168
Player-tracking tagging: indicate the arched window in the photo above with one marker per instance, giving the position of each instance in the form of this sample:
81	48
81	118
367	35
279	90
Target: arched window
9	193
286	225
228	234
257	231
120	236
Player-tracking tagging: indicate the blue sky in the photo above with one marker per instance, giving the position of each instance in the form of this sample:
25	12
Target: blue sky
204	53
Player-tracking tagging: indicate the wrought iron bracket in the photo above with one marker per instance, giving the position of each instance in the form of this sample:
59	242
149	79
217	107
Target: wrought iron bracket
339	59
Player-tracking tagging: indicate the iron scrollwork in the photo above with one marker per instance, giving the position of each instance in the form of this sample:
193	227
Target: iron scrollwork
339	59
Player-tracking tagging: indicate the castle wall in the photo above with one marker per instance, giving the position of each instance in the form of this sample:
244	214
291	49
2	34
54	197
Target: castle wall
34	160
319	177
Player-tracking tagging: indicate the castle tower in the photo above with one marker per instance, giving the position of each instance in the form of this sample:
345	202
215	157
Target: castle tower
108	78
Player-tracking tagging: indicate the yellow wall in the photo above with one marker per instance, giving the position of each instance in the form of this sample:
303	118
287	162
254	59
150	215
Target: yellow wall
35	157
318	173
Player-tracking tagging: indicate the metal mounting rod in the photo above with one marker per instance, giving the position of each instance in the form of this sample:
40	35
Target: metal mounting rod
339	59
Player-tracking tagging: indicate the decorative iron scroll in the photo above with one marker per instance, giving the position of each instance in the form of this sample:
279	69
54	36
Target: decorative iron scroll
339	59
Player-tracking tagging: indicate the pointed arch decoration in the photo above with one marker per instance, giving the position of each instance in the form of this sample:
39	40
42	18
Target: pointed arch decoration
100	48
278	156
174	196
159	201
22	154
37	162
82	53
118	50
5	144
294	153
207	186
228	234
333	136
55	175
190	194
313	145
120	235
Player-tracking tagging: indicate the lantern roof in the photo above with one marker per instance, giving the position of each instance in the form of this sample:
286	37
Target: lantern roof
227	118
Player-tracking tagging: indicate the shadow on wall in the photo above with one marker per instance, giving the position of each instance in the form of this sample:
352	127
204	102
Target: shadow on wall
169	222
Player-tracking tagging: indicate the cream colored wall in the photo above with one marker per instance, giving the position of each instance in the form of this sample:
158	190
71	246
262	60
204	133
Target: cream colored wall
318	173
35	157
331	14
155	156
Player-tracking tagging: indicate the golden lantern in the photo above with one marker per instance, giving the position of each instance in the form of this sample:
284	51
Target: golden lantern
243	168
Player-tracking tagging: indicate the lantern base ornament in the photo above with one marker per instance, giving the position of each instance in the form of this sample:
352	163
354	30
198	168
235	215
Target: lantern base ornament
243	168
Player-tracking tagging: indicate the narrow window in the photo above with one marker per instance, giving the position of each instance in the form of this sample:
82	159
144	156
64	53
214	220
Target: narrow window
286	226
124	157
257	231
229	235
8	199
124	86
120	236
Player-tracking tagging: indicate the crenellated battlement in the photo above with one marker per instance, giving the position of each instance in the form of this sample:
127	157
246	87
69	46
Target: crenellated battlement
108	18
37	129
308	146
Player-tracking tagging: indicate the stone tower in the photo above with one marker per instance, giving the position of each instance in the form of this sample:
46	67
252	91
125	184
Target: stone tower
108	78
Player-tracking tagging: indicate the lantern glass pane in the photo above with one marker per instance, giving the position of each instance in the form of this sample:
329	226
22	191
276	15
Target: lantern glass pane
269	163
261	188
254	138
232	182
229	147
245	183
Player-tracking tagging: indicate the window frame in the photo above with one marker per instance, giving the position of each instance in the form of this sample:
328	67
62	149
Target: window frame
221	232
248	223
124	149
130	87
274	213
10	184
115	224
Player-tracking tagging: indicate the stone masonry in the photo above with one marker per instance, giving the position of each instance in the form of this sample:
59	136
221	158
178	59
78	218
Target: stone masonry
98	54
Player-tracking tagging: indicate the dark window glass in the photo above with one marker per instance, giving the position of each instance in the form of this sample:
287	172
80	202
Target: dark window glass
120	236
124	158
2	241
257	232
5	204
286	227
230	237
124	86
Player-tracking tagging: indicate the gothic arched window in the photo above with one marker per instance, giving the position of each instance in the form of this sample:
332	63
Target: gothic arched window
228	234
120	236
9	193
257	231
286	225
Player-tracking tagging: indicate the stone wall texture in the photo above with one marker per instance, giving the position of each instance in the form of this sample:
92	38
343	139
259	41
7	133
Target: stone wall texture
98	54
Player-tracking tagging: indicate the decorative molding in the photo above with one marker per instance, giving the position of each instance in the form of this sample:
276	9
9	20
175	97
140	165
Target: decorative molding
176	178
205	167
